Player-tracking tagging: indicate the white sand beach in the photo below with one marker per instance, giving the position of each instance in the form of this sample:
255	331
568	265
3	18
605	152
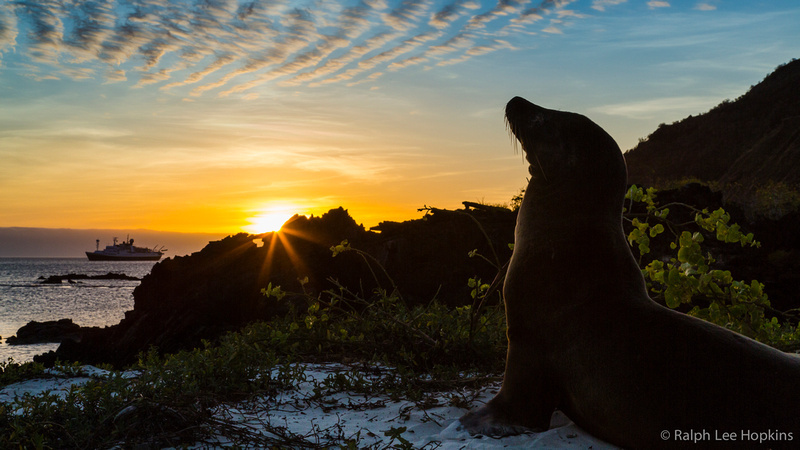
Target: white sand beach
342	414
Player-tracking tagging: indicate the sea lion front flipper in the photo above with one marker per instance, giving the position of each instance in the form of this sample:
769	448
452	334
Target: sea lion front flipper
497	419
525	402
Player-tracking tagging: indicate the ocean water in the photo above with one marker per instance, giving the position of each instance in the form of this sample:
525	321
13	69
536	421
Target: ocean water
24	298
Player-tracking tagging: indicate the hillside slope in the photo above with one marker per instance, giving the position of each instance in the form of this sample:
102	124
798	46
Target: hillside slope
737	147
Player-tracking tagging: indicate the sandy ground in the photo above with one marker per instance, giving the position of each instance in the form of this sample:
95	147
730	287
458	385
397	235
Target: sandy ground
348	416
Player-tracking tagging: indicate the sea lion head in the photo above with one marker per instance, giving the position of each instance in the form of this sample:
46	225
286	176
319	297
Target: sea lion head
567	150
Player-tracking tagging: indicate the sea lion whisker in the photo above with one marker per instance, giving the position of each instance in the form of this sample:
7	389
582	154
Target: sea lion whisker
513	137
517	141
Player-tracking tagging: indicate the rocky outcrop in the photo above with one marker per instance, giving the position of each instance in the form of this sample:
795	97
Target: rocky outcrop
58	279
40	332
187	299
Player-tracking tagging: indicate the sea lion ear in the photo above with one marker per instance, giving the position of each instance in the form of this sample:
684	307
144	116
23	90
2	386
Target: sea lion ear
538	118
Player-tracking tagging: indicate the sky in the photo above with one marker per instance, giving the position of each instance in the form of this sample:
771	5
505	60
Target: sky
226	115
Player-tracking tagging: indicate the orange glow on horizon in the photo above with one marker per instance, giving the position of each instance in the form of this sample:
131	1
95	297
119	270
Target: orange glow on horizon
267	222
271	218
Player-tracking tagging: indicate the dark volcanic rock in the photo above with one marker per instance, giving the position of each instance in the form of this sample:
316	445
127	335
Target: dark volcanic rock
187	299
739	146
57	279
39	332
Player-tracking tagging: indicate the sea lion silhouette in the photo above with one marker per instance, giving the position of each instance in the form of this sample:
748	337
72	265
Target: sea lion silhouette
584	336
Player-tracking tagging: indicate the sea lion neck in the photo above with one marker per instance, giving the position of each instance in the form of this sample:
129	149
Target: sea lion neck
573	223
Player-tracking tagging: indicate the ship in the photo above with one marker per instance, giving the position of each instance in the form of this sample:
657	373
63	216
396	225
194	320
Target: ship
125	251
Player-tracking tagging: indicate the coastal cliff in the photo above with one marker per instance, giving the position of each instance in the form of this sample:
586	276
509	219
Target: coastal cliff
186	300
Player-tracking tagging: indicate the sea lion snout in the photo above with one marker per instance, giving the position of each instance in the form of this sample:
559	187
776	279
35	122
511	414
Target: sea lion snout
527	121
520	112
565	147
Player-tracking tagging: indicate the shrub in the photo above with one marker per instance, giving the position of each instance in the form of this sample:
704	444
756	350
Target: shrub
690	280
776	199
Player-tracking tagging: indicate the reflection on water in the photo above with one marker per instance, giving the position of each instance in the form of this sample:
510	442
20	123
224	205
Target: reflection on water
87	302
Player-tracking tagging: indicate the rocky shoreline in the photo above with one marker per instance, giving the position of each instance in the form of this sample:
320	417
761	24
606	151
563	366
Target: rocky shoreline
186	300
41	332
58	279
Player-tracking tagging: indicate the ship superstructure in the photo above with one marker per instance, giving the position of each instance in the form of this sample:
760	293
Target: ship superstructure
125	251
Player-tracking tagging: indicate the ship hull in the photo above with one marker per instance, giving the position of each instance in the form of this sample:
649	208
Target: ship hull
93	256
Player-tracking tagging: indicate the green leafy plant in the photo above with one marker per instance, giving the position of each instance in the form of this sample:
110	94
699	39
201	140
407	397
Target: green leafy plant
11	372
423	337
690	280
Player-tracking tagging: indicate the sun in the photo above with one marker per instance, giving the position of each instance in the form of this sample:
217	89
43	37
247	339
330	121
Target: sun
268	221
